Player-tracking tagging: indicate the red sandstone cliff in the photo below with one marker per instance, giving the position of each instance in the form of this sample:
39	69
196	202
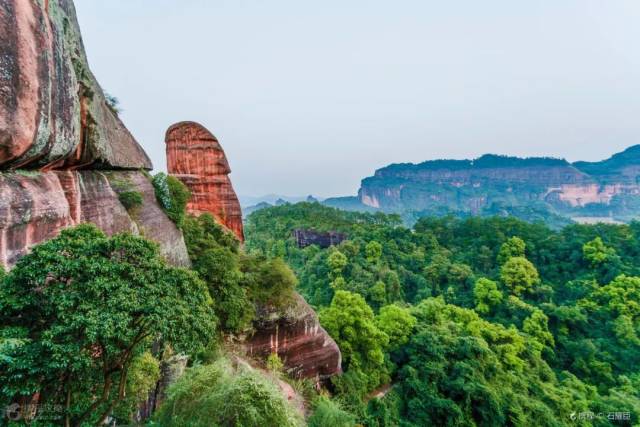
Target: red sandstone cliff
54	122
305	348
53	113
35	206
65	155
196	157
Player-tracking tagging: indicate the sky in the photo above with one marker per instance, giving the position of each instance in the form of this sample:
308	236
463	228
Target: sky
310	97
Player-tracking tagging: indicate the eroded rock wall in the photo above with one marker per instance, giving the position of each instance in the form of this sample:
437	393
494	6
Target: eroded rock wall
53	113
305	348
196	157
35	206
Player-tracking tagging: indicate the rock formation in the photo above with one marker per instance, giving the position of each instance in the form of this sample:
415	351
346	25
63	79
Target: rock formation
305	348
35	206
324	239
65	157
53	113
64	153
195	157
499	184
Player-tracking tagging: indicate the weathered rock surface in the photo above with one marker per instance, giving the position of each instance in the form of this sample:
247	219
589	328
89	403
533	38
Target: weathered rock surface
305	348
171	370
35	206
53	113
196	157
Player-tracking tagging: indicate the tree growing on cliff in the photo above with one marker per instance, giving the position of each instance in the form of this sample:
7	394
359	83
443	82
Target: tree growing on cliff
85	307
173	196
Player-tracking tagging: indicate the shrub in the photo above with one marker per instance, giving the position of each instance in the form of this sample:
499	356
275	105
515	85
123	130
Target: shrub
274	363
269	282
131	200
329	413
219	395
143	375
172	195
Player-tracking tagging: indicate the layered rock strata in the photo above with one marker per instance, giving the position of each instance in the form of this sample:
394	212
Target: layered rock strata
196	157
64	153
497	184
35	206
305	348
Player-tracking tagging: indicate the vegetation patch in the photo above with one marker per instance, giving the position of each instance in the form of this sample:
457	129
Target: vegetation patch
172	195
79	317
222	395
131	200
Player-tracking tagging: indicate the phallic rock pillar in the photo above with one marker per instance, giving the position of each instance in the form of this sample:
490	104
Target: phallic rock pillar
196	157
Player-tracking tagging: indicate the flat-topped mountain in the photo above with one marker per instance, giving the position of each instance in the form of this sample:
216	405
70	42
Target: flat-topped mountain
532	188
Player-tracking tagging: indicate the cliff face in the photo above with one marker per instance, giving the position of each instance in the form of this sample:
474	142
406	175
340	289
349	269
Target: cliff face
53	113
35	206
490	184
65	157
305	348
70	147
196	157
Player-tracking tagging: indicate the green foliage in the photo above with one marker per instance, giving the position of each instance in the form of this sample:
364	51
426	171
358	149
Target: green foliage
144	372
519	275
486	295
336	262
373	251
398	323
463	369
113	103
327	412
513	247
172	195
239	282
220	395
271	281
85	306
274	363
131	200
498	339
351	323
214	255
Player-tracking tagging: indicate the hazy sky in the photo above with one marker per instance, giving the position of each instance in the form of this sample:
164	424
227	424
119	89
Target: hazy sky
312	96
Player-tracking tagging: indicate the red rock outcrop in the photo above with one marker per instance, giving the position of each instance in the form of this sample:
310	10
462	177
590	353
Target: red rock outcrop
53	113
305	348
196	157
35	206
55	121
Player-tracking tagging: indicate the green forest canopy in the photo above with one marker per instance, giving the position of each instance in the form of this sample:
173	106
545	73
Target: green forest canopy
481	321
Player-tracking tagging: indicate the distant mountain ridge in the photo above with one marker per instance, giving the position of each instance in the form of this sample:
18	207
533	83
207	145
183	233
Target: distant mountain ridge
532	188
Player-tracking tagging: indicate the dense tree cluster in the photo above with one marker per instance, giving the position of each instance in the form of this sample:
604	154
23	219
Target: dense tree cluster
79	315
478	321
87	320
